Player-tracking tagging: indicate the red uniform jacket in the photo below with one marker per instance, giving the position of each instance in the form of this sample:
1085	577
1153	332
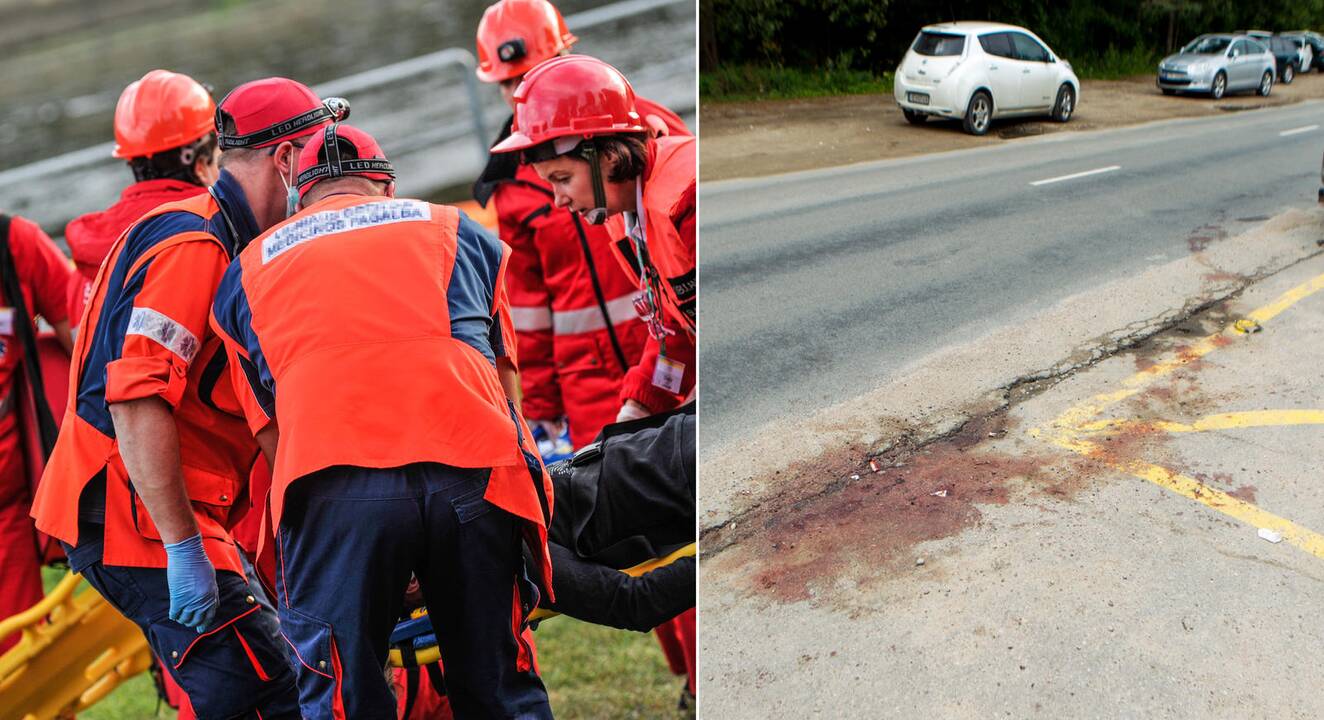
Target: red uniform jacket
572	304
144	334
667	256
370	328
90	236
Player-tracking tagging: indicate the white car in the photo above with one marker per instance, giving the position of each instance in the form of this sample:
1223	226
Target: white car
978	71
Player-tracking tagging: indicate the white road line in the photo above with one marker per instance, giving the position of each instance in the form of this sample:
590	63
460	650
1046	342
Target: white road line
1073	176
1296	131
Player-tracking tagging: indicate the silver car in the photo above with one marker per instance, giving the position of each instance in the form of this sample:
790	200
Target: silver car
1218	64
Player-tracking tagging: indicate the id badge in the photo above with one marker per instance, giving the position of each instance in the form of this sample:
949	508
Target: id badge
668	373
7	321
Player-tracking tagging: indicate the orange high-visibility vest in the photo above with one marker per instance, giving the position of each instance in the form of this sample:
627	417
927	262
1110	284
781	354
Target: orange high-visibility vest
343	320
152	339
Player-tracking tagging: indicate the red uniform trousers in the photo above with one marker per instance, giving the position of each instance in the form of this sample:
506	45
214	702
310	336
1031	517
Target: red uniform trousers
20	567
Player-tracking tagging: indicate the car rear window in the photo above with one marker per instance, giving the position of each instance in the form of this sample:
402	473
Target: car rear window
933	43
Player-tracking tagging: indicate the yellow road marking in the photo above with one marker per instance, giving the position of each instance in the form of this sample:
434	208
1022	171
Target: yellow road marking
1288	299
1067	429
1219	421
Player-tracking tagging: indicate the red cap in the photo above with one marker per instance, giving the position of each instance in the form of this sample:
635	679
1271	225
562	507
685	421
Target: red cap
574	95
341	150
161	111
269	111
516	35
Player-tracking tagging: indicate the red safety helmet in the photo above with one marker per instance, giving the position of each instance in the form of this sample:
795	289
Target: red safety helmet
272	110
341	150
516	35
163	110
575	95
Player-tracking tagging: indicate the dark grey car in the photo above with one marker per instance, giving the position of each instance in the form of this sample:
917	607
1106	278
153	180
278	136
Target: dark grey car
1218	64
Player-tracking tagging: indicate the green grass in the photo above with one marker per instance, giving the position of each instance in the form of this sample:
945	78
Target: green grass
1113	64
753	82
590	672
598	672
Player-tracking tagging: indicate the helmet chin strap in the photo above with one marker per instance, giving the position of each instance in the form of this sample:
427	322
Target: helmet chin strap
598	214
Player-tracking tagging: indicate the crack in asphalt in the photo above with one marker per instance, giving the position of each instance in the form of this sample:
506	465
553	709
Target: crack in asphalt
910	440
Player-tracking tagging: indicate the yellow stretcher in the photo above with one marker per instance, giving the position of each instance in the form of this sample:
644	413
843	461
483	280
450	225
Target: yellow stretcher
75	649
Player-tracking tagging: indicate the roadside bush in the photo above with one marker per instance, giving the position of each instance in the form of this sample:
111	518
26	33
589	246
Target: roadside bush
752	82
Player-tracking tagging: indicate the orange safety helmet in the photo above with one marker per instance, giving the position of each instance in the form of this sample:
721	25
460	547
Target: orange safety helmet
163	110
575	95
516	35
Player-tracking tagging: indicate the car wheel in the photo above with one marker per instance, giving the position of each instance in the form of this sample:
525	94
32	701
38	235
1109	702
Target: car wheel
1168	91
1289	74
1066	103
1266	83
1219	87
914	118
979	113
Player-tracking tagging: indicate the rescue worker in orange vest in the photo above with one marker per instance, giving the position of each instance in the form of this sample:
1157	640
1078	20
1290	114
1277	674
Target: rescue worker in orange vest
374	356
43	275
165	129
572	304
154	454
576	122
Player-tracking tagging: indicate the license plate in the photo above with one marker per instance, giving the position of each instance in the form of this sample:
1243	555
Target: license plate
918	98
1171	76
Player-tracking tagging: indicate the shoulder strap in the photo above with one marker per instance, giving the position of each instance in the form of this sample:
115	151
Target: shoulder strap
27	337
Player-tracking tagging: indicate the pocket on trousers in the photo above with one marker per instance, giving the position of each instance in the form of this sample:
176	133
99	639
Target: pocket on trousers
120	591
311	645
470	504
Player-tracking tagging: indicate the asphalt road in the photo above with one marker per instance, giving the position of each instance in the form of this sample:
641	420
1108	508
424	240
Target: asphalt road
820	285
1098	552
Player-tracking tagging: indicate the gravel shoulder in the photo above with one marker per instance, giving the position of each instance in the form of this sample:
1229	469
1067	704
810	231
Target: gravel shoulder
755	139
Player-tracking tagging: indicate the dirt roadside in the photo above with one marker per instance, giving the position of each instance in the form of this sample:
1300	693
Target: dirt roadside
777	136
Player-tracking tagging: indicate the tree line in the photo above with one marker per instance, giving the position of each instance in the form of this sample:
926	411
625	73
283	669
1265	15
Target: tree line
873	35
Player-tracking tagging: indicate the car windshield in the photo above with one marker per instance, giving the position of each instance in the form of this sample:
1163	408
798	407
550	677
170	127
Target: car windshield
932	43
1207	46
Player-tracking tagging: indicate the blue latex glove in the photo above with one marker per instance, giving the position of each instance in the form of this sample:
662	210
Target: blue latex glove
192	582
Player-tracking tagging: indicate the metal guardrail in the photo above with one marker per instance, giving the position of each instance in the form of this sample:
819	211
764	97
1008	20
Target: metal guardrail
348	85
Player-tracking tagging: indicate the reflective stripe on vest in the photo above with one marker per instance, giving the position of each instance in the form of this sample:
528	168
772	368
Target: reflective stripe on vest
574	322
531	319
589	319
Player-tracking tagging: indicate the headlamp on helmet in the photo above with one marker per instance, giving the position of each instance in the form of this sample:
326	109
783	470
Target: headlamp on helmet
512	50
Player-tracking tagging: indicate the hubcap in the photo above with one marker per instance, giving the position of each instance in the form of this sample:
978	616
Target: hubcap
981	113
1218	85
1066	105
1264	83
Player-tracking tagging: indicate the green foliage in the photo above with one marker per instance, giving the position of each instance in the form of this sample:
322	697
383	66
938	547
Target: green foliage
800	33
1102	38
751	82
1114	64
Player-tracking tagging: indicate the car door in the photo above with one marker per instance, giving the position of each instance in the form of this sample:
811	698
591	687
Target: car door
1239	66
1002	70
1038	81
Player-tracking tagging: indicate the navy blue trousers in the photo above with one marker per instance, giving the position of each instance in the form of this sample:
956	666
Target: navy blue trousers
348	540
237	669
